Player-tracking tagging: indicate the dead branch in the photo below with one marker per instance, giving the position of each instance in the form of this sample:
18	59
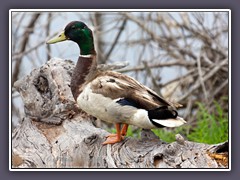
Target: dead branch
156	87
157	65
48	33
26	35
116	38
200	73
97	21
19	55
205	78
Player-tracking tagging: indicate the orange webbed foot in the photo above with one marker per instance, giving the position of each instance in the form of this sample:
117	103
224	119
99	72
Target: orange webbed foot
112	139
119	136
115	135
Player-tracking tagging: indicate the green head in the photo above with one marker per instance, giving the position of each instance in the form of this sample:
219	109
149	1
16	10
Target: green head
78	32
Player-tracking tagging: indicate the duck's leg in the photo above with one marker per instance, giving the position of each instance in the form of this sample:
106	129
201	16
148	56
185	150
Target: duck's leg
124	129
112	139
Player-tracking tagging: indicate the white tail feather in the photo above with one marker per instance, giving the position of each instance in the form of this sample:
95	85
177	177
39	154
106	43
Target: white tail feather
171	122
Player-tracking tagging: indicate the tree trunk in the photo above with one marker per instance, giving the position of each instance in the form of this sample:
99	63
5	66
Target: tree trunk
56	134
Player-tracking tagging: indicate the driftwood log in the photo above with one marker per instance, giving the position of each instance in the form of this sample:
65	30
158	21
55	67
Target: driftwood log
56	134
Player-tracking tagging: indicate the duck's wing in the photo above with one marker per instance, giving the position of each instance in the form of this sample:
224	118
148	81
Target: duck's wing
119	86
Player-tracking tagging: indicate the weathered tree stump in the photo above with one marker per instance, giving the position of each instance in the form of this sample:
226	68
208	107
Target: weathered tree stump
56	134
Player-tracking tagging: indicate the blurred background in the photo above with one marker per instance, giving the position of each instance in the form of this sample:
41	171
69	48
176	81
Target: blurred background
183	56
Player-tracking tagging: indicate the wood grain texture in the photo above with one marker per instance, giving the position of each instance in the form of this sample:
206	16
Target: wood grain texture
56	134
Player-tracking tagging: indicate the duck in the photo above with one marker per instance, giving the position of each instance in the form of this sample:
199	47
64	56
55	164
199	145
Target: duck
111	96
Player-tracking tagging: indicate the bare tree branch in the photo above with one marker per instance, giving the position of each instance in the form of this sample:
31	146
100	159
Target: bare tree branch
205	78
201	76
156	87
116	38
26	35
157	65
49	18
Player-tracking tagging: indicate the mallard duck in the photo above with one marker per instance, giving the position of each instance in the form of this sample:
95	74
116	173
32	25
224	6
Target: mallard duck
111	96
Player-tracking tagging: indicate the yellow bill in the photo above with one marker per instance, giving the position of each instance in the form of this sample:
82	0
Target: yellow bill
60	37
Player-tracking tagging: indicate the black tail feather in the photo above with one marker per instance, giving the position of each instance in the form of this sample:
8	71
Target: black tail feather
162	113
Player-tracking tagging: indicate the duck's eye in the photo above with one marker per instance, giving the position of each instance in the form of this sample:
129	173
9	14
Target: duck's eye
73	27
